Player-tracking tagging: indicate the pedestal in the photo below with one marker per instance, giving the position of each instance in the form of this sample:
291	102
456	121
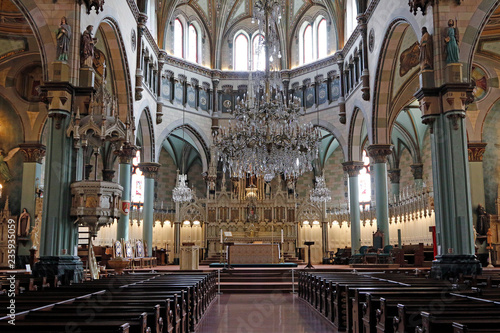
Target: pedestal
87	77
189	258
68	269
452	265
60	71
309	265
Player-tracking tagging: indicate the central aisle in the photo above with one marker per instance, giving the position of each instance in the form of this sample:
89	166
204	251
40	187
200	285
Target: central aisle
262	313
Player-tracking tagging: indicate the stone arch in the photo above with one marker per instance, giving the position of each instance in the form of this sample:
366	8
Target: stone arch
472	34
356	139
196	134
118	66
44	35
387	61
148	138
335	131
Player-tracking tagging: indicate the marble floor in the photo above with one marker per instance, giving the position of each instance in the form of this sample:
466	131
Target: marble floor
262	313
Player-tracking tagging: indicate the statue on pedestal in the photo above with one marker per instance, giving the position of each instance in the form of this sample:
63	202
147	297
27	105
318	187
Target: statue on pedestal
23	224
87	46
451	40
426	51
63	37
482	225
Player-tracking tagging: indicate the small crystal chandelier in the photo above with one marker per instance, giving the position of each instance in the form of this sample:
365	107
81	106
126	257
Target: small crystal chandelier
320	193
267	136
181	193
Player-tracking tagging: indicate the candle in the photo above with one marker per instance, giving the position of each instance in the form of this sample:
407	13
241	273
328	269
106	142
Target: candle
221	236
281	235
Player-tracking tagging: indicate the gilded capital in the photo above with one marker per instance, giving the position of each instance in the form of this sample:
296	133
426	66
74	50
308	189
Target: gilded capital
352	168
33	152
127	153
417	170
150	169
394	175
379	152
476	151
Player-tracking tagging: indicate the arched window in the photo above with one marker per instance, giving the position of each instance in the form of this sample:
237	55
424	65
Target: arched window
321	40
351	18
241	53
307	45
365	190
178	39
192	44
258	53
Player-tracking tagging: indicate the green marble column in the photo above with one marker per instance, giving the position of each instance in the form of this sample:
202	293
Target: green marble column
150	171
444	112
395	176
126	154
379	153
32	173
353	168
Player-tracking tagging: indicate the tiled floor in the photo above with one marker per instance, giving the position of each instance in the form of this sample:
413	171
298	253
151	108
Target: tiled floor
262	313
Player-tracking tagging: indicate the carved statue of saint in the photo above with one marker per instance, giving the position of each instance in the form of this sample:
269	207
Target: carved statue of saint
482	225
23	224
34	234
63	36
451	40
87	46
426	51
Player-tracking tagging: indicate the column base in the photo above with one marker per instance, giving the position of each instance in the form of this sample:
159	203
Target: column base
452	265
68	269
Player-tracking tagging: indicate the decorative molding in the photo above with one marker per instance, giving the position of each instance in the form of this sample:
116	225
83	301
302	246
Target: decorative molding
89	4
422	4
417	171
429	120
33	152
150	169
476	151
394	175
379	152
58	118
352	168
455	118
127	153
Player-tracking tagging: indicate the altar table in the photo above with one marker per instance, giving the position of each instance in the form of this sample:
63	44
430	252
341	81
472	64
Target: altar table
254	253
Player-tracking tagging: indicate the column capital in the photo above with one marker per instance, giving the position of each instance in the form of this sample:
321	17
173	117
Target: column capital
353	167
150	169
33	152
476	151
127	153
394	175
417	170
379	152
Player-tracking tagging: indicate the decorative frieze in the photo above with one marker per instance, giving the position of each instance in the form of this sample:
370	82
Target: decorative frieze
33	152
150	169
352	168
379	152
476	151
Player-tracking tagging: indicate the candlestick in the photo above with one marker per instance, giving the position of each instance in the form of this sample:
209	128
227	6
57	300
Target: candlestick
281	235
221	236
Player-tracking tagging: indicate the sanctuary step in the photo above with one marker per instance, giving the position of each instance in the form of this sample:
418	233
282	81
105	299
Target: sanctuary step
216	258
257	281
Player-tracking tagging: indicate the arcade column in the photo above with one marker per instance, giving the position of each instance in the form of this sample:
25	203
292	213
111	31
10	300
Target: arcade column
395	177
352	168
443	110
379	153
150	171
126	154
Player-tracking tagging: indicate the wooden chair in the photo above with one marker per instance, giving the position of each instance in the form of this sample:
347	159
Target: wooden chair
378	240
386	255
140	253
129	253
360	257
117	249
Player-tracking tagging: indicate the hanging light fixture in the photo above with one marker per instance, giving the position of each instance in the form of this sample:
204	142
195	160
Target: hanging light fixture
182	193
267	136
320	193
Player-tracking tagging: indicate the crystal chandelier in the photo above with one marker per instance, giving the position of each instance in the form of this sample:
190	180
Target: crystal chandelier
320	193
181	193
267	136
